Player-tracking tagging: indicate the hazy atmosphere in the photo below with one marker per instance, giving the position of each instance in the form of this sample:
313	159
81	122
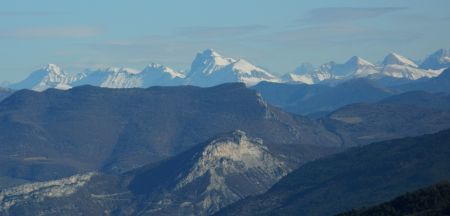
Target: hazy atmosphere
225	108
276	35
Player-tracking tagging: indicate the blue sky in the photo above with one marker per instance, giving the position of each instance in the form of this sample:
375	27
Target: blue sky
276	34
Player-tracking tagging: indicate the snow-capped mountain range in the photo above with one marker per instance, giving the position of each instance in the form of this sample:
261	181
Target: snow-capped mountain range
209	68
393	66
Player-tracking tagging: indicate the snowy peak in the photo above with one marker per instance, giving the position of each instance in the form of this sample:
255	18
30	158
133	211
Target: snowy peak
400	67
304	68
154	68
356	61
210	52
53	69
50	70
209	68
438	60
50	76
354	67
208	61
119	70
244	66
249	70
396	59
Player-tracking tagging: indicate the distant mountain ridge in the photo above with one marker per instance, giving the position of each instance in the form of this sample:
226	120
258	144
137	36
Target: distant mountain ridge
209	68
182	150
114	130
307	99
393	66
4	93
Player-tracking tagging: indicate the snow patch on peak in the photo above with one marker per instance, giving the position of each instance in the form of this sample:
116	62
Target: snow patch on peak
158	68
54	69
211	52
358	61
396	59
438	60
244	66
121	70
210	59
210	68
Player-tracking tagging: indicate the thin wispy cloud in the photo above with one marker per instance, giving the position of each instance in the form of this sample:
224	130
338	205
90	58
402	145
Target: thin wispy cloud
29	13
50	32
213	32
346	14
341	34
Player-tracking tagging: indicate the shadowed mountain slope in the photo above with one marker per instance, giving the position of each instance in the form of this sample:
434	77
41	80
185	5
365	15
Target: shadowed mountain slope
359	177
57	133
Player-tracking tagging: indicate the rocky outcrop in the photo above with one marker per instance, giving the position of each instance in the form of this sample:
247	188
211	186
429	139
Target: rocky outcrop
38	192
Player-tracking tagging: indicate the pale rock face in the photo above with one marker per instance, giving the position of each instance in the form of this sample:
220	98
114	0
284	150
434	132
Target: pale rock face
226	170
39	191
248	153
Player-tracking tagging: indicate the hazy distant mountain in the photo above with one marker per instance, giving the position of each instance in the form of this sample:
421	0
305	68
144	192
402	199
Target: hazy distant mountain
440	83
355	67
307	74
57	133
209	68
51	76
439	59
306	99
395	68
356	178
396	59
359	124
433	200
152	75
400	67
421	99
111	77
4	93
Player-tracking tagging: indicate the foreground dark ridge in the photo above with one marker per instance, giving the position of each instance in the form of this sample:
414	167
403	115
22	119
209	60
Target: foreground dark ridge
360	177
431	201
